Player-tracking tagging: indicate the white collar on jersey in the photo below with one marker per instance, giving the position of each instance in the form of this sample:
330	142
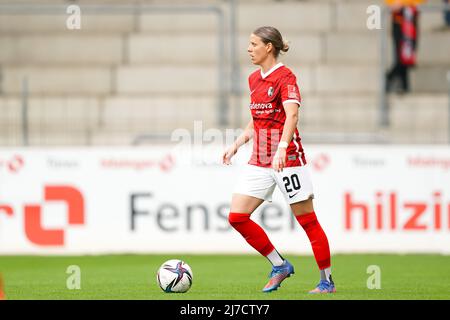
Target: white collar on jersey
275	67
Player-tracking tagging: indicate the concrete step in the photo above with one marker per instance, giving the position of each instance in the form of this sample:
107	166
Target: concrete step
57	80
417	137
46	23
51	121
11	113
431	79
203	79
347	79
426	113
286	16
67	113
352	48
11	138
187	48
434	49
58	138
167	79
153	114
194	22
103	137
306	48
63	49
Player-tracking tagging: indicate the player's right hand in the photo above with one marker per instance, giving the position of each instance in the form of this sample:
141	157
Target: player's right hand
228	154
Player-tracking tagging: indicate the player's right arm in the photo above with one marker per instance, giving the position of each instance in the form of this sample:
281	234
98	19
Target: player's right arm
245	137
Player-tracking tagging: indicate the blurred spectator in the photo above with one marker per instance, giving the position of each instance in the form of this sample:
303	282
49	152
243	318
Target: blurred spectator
447	14
404	17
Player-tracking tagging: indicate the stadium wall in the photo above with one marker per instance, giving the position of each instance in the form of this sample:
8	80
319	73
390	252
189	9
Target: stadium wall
171	199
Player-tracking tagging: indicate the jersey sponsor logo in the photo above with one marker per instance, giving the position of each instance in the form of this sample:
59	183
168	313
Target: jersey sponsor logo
291	196
292	92
258	106
270	92
292	157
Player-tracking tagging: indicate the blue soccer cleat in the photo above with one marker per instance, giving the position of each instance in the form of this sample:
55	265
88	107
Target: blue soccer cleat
324	286
277	276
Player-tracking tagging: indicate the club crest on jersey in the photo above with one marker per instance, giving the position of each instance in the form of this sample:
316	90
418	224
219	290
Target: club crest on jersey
270	92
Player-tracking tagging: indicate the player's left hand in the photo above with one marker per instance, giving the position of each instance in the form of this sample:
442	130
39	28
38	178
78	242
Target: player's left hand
228	154
279	160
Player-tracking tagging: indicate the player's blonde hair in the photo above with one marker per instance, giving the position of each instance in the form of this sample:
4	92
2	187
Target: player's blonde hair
273	36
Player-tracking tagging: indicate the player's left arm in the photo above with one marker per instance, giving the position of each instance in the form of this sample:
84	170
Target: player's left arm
291	99
291	110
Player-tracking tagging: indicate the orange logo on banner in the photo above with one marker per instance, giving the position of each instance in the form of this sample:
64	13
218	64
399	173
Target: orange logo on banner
14	164
7	209
33	216
321	161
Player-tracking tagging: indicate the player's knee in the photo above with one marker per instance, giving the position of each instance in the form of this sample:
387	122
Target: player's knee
237	218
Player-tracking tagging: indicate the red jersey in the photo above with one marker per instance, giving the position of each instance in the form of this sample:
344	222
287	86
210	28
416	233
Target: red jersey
268	92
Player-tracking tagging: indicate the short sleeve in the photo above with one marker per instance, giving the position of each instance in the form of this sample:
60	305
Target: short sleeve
290	93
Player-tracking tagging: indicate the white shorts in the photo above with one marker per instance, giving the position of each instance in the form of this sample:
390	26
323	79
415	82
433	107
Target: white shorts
294	183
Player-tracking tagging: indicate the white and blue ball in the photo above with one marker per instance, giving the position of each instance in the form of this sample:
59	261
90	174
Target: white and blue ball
174	276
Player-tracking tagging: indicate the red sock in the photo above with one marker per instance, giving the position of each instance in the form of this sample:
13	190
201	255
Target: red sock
317	237
252	232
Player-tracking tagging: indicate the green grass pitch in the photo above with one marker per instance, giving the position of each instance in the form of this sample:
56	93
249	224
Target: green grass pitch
224	277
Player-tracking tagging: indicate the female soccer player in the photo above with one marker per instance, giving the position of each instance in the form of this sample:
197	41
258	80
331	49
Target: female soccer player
277	159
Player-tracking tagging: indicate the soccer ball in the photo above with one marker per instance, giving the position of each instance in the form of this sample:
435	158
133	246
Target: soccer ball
174	276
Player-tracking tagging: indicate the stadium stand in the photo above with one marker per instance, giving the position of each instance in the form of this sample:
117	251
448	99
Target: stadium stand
127	74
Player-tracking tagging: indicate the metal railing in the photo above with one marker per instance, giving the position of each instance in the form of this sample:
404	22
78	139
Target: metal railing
24	97
448	111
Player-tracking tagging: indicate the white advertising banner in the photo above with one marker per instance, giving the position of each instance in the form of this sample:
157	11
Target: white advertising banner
165	199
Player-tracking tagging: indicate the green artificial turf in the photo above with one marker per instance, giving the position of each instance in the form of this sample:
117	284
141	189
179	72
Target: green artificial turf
224	277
